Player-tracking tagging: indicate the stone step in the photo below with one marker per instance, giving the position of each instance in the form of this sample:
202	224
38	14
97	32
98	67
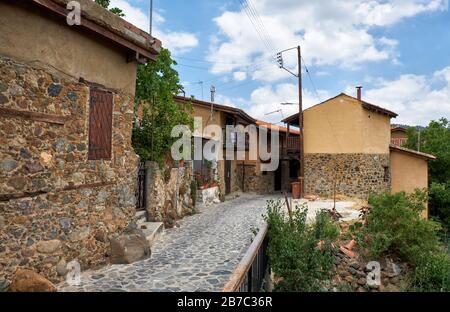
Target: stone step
152	231
141	216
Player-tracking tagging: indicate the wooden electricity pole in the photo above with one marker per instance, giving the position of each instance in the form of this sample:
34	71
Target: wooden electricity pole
300	111
300	123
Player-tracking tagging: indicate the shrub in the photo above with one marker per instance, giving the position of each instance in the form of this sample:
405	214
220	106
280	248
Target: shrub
433	273
293	250
395	226
440	202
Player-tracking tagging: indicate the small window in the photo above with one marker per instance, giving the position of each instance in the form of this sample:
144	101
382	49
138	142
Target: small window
100	124
386	174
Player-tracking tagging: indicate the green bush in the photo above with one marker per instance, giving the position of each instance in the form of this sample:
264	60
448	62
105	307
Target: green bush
293	250
440	201
395	226
433	273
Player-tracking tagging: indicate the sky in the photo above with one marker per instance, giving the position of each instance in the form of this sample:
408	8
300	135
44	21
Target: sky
398	50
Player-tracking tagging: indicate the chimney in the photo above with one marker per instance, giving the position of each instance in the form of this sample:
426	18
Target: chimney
358	93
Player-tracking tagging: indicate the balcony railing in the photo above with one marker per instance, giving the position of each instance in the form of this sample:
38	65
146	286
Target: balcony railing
398	141
293	143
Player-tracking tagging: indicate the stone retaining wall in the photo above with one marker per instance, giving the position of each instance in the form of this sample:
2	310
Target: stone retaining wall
55	204
169	193
357	175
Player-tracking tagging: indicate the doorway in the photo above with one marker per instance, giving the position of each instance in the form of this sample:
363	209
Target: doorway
277	184
227	177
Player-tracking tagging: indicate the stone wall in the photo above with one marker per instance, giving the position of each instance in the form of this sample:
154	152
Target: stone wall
357	175
55	204
169	193
254	181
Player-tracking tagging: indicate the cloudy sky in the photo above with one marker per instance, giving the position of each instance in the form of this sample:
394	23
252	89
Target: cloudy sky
398	50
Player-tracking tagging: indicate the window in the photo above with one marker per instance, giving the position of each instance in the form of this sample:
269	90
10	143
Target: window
386	174
100	124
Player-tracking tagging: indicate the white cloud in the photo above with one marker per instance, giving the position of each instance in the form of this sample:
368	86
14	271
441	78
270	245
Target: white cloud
331	32
176	42
266	101
230	101
416	99
239	75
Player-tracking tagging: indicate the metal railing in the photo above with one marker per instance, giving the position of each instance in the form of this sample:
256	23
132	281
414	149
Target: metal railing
141	189
249	274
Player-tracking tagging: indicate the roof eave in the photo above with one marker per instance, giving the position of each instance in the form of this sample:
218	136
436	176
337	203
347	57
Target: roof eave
412	152
142	45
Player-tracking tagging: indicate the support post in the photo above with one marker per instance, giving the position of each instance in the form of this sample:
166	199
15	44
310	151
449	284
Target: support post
300	123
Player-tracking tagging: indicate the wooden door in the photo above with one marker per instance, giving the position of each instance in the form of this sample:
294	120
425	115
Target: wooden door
227	177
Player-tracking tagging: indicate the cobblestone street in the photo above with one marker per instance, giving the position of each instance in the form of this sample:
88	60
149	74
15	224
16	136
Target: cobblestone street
200	255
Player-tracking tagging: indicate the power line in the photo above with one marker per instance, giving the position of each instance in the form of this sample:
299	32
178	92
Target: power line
258	17
192	66
250	70
257	26
311	80
218	62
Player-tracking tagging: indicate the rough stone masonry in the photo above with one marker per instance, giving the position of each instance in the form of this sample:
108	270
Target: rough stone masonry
355	175
55	204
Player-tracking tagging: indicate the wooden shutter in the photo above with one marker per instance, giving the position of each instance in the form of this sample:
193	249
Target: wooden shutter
100	124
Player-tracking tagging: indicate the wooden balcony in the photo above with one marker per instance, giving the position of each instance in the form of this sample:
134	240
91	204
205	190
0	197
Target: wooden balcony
398	141
290	146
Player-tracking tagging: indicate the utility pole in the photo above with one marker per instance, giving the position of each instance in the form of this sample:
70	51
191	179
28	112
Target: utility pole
151	17
300	123
300	112
418	141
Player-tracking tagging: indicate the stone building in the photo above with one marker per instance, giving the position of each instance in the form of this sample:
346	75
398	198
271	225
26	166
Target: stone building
242	175
226	170
347	148
67	167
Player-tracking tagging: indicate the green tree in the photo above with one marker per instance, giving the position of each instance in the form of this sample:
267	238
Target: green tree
106	3
156	84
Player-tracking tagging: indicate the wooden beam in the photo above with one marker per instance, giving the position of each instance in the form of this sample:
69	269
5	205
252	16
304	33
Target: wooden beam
35	116
6	197
84	186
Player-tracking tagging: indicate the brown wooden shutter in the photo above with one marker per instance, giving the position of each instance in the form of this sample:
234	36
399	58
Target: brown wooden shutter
100	124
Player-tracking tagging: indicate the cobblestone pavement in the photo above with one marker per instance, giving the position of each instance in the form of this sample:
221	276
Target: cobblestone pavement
200	255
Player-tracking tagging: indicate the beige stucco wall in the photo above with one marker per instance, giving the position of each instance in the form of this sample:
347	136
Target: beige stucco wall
342	125
408	173
208	118
376	132
30	36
